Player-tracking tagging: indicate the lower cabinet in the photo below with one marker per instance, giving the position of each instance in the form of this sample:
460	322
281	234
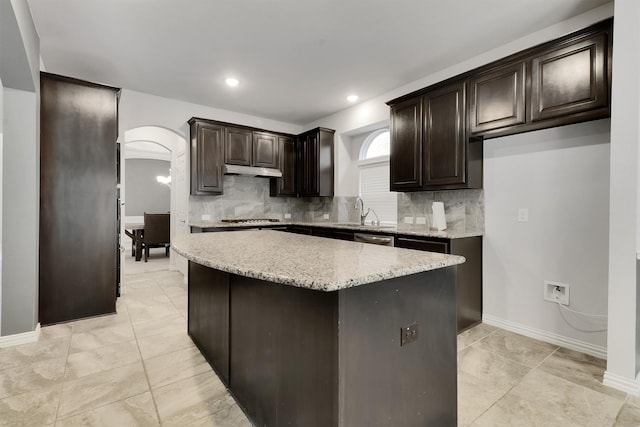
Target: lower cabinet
469	281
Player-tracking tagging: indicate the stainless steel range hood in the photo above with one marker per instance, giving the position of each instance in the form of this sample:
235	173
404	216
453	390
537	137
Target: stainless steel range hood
253	171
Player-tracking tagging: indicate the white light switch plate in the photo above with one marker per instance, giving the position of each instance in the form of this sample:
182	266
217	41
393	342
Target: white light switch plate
408	220
287	216
523	215
206	217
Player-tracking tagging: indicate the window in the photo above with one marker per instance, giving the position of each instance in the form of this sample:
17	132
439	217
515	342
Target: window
374	177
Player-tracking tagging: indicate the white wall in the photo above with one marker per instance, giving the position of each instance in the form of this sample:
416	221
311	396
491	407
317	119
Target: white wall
624	211
561	175
139	109
19	71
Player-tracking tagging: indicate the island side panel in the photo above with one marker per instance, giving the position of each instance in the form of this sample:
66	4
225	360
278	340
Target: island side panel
385	384
208	319
284	355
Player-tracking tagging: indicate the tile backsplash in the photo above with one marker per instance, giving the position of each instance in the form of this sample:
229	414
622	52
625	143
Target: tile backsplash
248	197
464	209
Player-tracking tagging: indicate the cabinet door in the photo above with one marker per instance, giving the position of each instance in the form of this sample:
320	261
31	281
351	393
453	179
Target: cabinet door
497	98
285	186
406	145
309	164
569	80
265	150
209	148
444	136
237	146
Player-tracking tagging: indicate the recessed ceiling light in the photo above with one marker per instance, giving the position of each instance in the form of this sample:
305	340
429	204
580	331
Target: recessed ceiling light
232	82
352	98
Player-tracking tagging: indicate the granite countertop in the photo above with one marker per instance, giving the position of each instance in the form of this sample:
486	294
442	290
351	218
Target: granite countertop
305	261
404	229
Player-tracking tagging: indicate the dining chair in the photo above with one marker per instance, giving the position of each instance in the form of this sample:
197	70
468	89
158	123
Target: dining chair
156	233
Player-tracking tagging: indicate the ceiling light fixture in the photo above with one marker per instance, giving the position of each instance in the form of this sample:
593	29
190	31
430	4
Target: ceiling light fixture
231	82
352	98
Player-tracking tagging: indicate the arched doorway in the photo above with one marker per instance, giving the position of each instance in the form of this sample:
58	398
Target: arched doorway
151	142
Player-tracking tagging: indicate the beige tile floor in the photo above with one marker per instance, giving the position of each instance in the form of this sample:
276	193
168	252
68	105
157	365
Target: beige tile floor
139	368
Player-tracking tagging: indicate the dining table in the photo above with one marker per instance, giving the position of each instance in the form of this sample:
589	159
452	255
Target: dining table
135	231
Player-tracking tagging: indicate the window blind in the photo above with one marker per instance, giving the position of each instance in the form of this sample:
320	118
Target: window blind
374	191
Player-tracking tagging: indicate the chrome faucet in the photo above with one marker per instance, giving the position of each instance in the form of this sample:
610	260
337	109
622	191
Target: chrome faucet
361	210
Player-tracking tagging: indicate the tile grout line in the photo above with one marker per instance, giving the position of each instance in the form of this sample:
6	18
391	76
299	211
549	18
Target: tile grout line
64	377
514	385
144	365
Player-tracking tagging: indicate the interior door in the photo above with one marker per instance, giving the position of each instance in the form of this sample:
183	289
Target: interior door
182	203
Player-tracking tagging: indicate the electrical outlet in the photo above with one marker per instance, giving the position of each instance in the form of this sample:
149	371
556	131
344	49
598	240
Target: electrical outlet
556	292
408	220
523	215
421	220
287	216
206	217
408	334
325	216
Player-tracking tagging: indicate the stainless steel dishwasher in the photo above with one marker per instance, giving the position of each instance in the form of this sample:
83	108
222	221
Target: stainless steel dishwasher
373	238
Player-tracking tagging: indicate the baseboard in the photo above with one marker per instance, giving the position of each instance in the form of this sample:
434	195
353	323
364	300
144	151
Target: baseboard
23	338
546	336
622	383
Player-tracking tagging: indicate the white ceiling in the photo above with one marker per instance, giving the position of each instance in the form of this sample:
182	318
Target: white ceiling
296	59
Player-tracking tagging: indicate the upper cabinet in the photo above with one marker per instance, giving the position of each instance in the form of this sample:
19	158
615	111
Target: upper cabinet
429	145
445	136
285	186
406	150
245	147
496	98
571	78
265	150
437	132
315	163
561	82
306	161
207	157
238	143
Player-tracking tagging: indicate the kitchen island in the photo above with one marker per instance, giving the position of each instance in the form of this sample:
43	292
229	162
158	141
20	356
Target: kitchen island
307	331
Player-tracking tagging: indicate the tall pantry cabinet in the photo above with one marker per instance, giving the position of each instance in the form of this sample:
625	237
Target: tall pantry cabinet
78	206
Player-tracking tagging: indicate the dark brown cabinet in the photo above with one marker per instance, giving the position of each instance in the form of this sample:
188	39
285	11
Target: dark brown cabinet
207	155
469	279
315	163
444	136
429	145
238	146
244	147
285	186
561	82
570	79
436	145
78	246
497	98
306	160
265	150
406	150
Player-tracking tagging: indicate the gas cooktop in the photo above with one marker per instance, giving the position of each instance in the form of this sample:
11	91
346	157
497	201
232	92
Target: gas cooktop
248	220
